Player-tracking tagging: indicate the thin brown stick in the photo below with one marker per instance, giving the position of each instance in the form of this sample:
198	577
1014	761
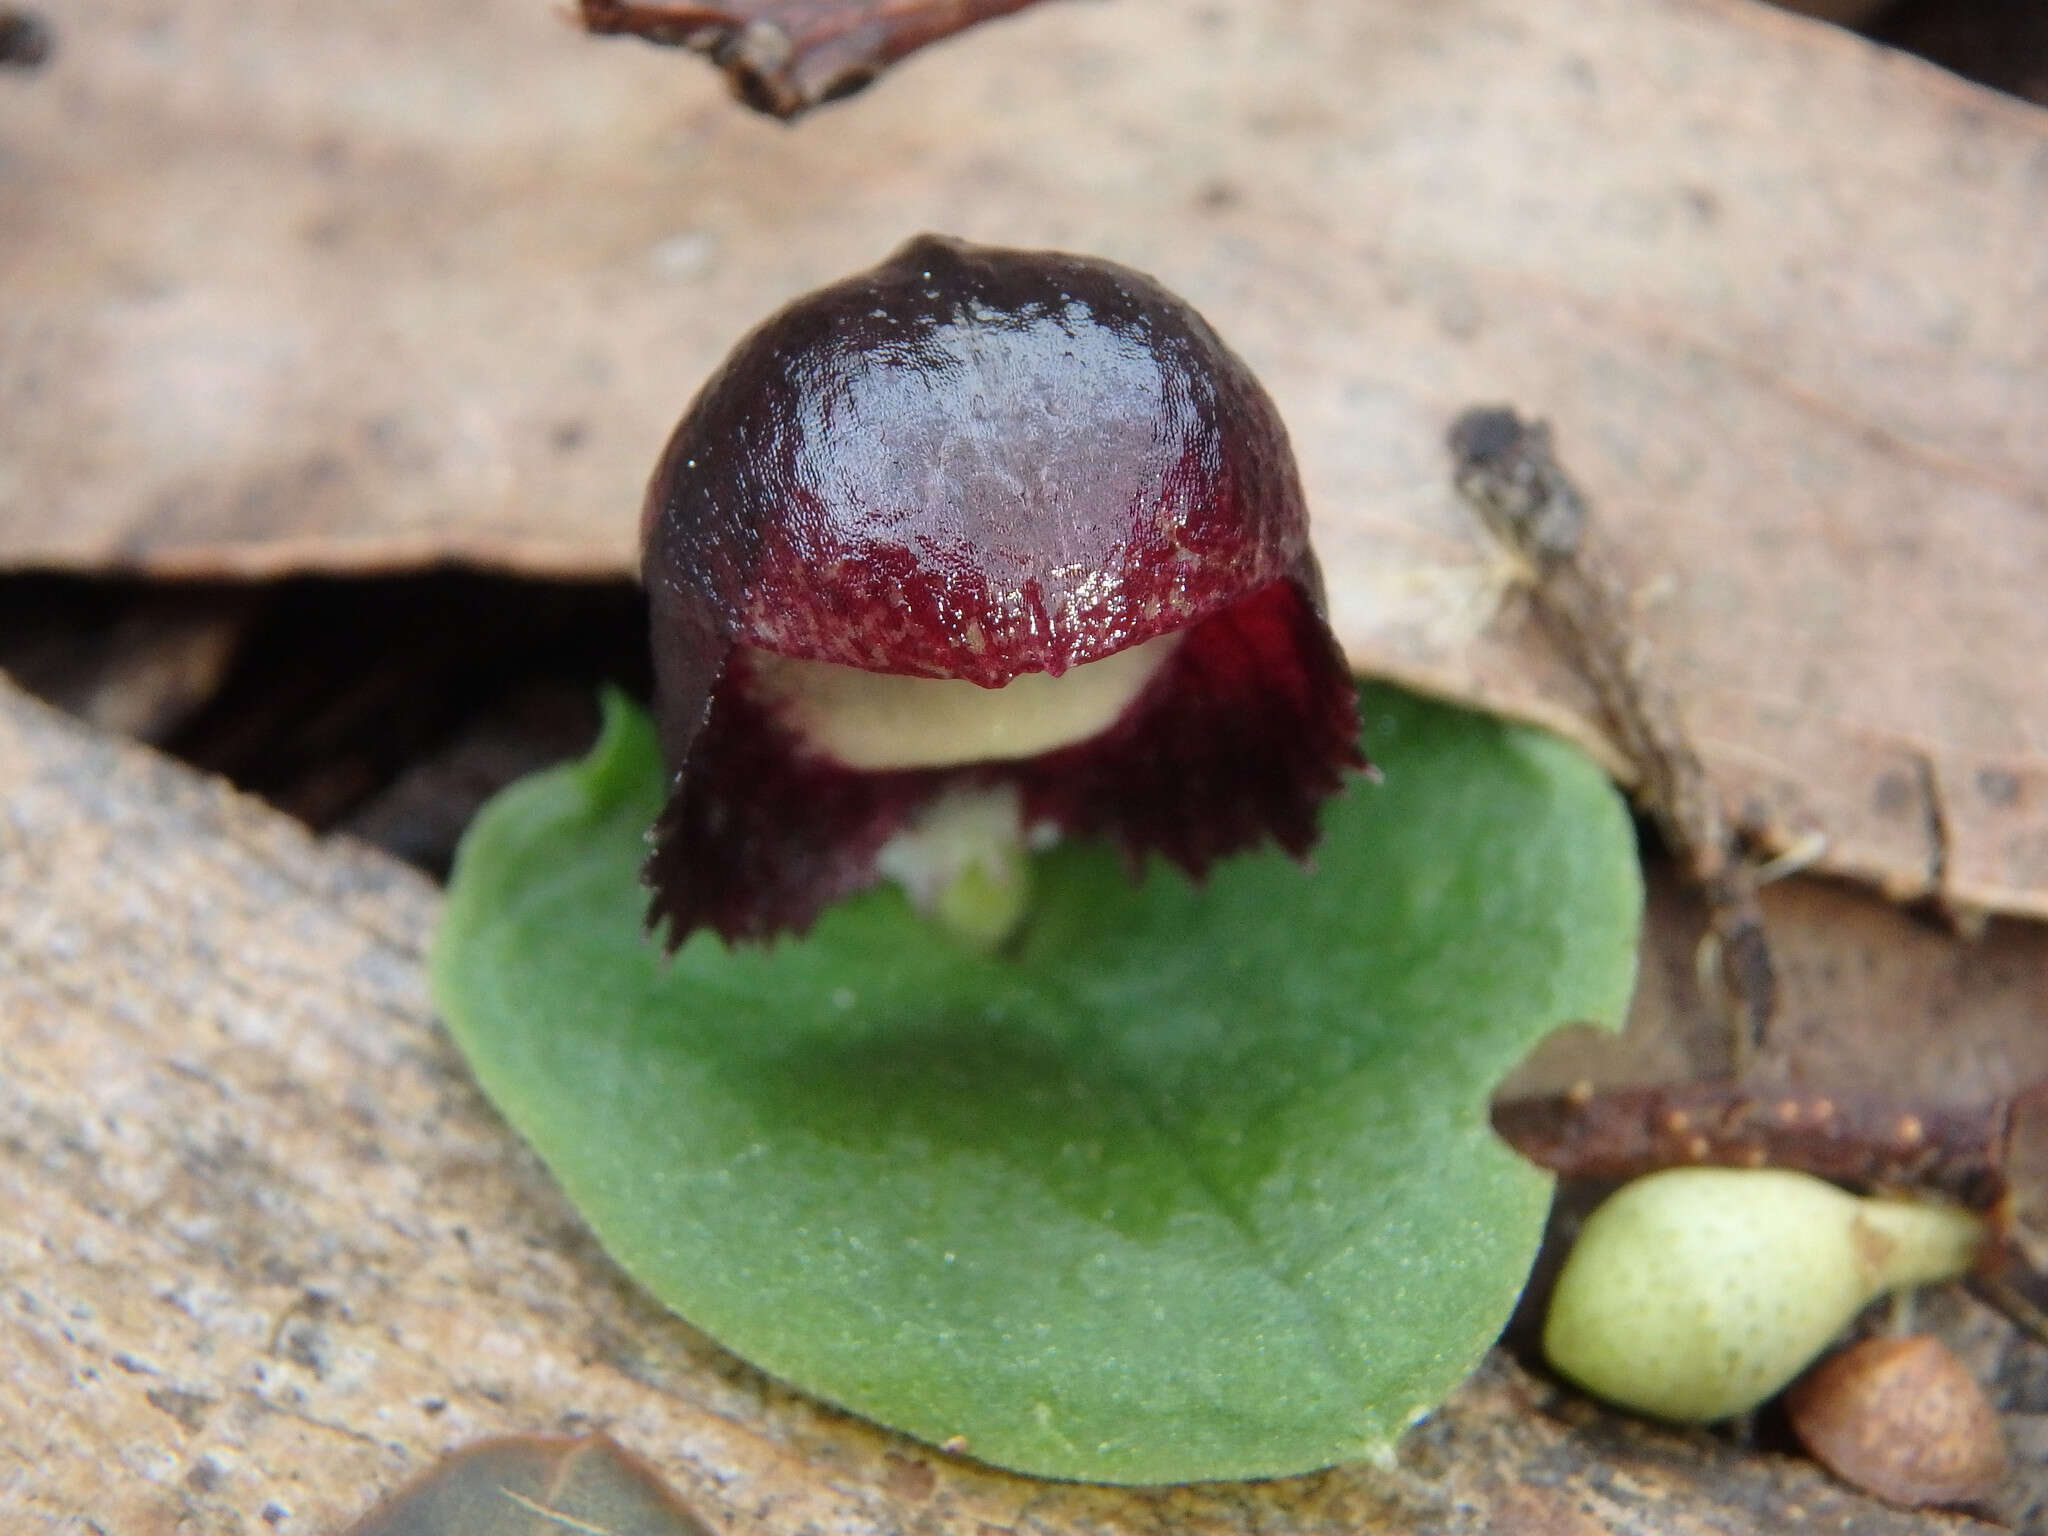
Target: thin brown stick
1879	1143
784	57
1508	472
2001	1284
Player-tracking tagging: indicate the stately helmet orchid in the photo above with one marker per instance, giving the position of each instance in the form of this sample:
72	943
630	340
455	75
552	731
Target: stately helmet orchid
979	519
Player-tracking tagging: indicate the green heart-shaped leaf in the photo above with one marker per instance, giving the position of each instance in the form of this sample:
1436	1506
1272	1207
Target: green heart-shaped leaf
1193	1183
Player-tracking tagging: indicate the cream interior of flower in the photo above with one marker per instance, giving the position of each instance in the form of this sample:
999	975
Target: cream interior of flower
877	720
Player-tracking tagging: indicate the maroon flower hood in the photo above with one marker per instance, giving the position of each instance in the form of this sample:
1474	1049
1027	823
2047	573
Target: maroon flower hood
975	463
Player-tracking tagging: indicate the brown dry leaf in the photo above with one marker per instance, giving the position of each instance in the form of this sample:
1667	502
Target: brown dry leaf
268	1254
373	285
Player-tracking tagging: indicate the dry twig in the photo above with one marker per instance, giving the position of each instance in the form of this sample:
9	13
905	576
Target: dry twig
784	57
1884	1143
1506	469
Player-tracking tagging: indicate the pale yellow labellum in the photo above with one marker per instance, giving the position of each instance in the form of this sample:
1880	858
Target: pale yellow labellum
876	721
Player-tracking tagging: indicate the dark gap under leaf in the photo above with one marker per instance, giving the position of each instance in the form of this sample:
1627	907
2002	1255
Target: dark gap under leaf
391	706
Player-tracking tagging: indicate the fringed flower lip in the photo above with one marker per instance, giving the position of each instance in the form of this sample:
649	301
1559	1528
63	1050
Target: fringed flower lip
979	519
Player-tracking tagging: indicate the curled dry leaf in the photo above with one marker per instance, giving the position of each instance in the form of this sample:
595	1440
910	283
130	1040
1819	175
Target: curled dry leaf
1903	1419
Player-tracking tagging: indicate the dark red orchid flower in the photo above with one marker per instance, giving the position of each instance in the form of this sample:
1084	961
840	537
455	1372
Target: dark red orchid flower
979	517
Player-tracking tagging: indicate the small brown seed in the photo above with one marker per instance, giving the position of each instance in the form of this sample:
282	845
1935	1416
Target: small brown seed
1903	1419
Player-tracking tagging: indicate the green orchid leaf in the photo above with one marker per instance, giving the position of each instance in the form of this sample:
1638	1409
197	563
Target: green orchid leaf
1186	1183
